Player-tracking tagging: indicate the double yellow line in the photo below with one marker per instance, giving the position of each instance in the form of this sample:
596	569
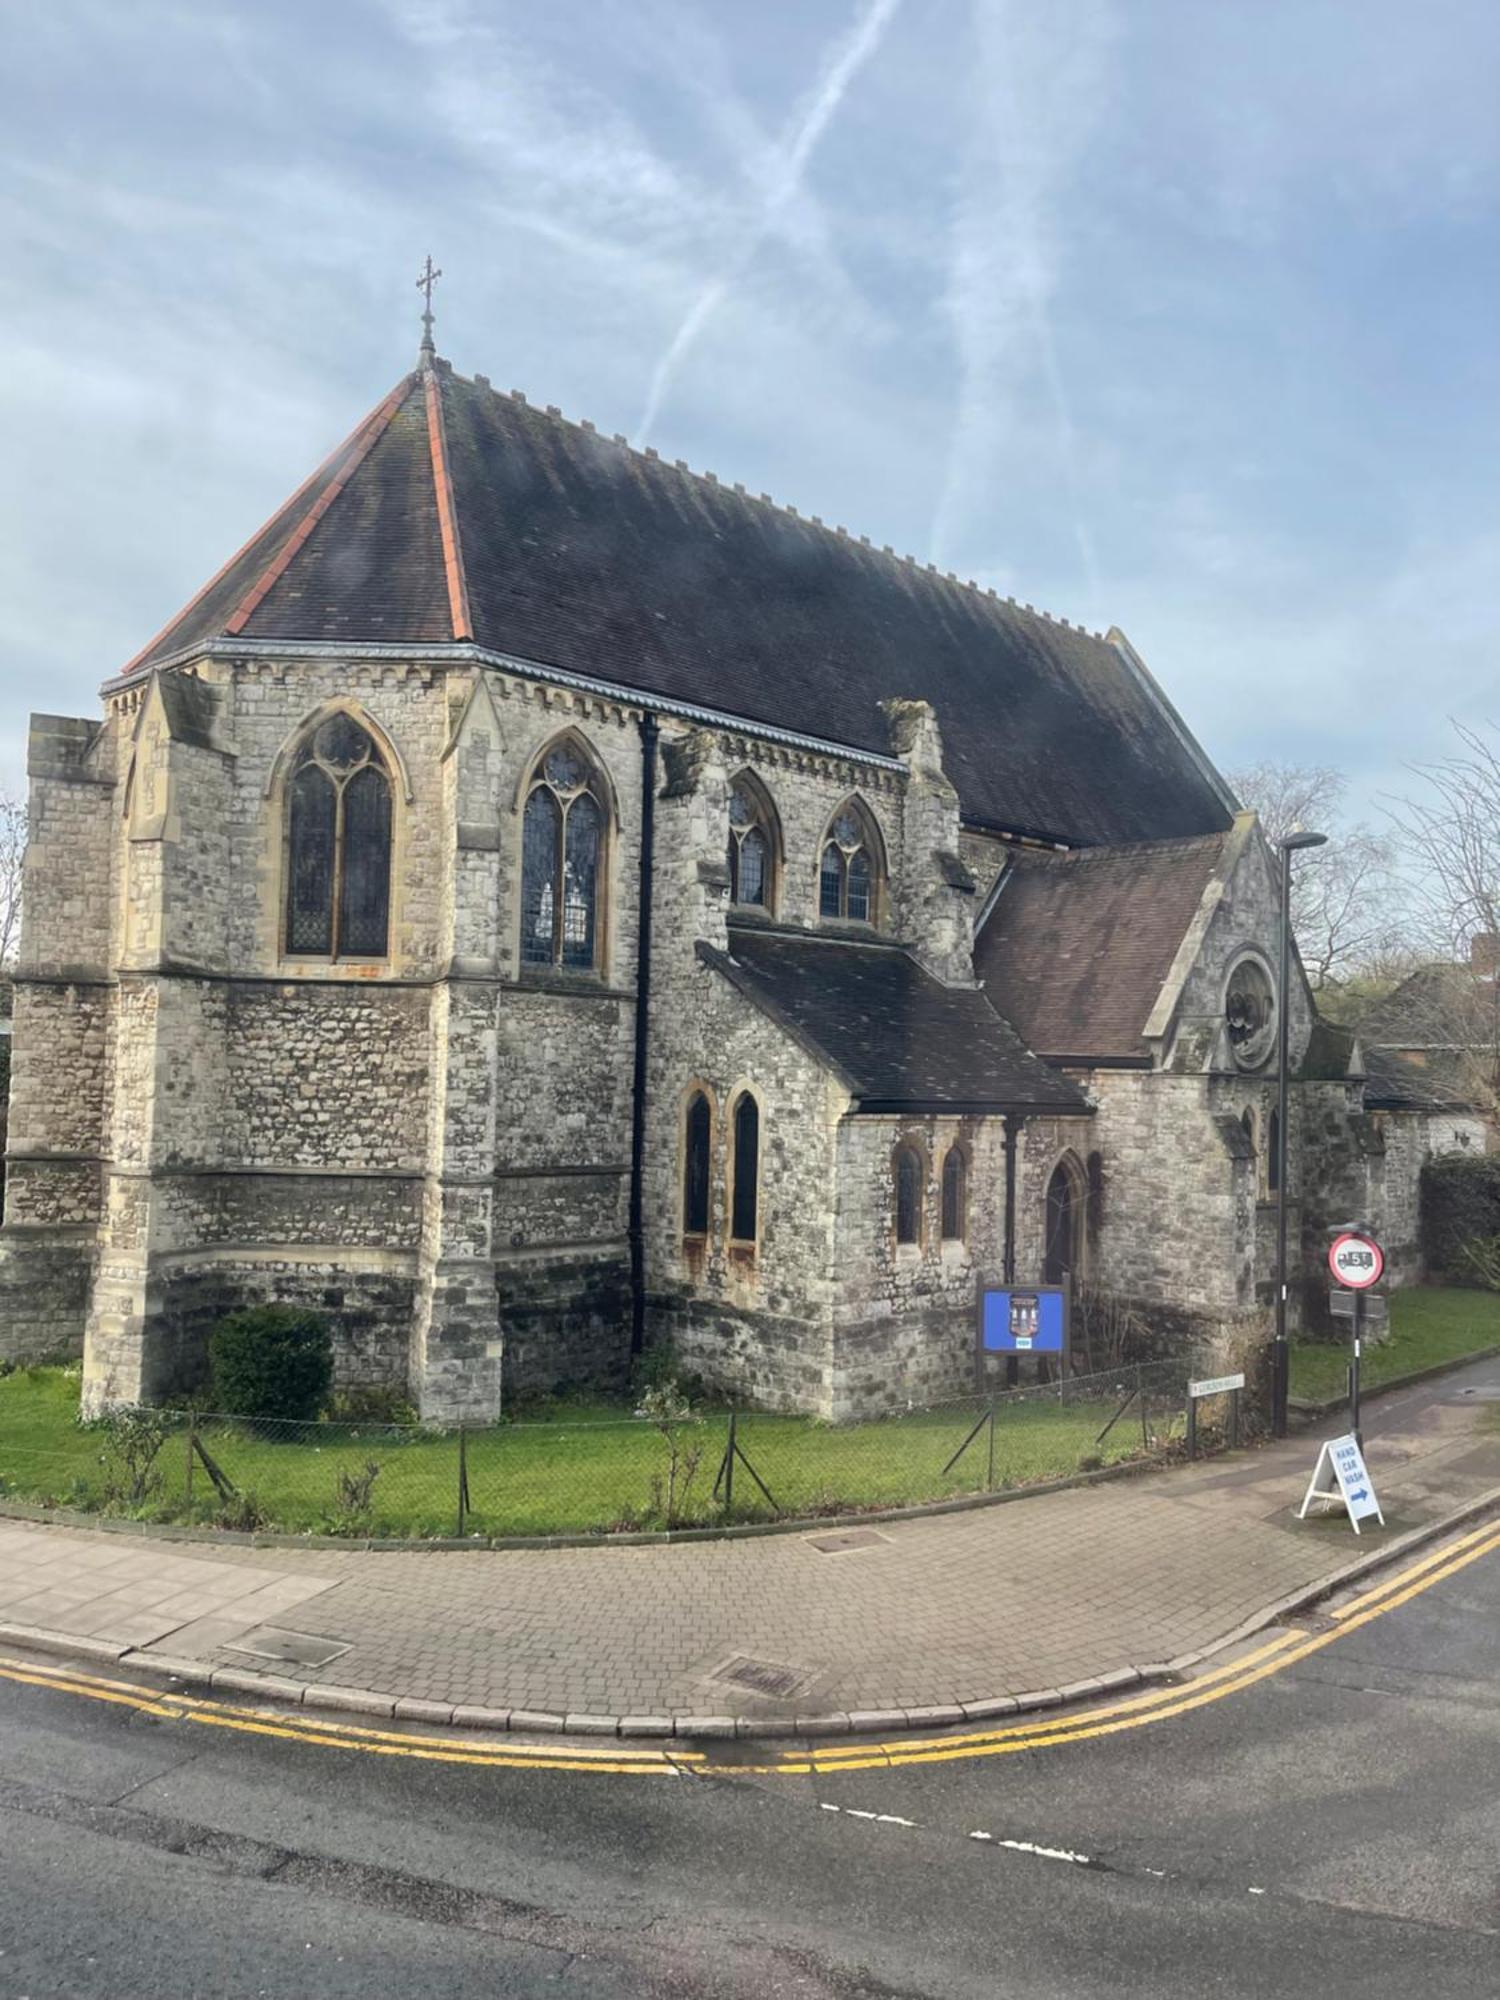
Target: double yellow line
1158	1705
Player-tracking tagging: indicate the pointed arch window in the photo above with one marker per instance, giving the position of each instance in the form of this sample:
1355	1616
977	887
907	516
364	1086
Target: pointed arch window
744	1213
562	862
909	1176
1273	1153
955	1195
338	878
752	846
849	868
697	1154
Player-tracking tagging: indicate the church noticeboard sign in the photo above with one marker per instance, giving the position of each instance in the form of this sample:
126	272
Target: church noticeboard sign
1023	1319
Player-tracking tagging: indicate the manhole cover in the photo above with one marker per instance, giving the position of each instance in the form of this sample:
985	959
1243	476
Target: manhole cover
1486	1394
847	1538
762	1676
289	1649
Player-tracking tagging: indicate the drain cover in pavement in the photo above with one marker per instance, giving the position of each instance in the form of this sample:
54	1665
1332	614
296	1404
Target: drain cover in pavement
762	1676
290	1649
849	1538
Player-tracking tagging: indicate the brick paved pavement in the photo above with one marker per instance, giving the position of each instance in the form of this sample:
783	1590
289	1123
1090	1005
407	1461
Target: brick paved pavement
951	1608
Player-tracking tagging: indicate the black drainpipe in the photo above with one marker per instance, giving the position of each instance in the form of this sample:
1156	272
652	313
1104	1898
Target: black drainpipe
649	733
1013	1124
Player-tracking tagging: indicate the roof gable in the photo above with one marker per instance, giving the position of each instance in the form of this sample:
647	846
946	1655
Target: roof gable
454	511
1078	947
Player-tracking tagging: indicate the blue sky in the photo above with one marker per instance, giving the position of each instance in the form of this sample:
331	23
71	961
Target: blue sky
1174	316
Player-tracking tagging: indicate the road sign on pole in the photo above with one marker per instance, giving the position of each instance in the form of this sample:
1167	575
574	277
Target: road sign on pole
1351	1482
1356	1260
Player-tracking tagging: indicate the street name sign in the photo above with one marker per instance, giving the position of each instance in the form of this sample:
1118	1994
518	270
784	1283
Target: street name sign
1216	1385
1356	1260
1351	1482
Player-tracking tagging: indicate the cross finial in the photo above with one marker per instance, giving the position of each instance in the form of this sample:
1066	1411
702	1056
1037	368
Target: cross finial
425	283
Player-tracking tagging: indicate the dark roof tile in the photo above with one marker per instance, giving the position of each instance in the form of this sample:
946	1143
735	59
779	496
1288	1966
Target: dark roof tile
900	1038
1078	946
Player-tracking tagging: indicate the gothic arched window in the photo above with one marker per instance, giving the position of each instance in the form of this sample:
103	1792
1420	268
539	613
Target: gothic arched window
697	1153
849	868
338	877
1273	1153
909	1177
752	845
562	862
955	1195
744	1212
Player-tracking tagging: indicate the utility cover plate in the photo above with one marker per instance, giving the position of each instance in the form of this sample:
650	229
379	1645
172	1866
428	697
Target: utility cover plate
767	1677
288	1649
847	1538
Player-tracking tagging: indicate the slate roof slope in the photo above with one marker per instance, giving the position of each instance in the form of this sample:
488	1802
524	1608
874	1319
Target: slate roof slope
572	550
1078	946
900	1039
1393	1084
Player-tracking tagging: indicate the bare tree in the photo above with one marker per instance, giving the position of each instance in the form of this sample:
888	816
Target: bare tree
1347	911
1449	1011
12	849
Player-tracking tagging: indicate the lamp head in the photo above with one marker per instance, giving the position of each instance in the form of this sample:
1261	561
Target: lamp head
1292	841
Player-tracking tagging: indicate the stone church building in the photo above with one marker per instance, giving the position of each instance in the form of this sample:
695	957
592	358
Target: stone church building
536	900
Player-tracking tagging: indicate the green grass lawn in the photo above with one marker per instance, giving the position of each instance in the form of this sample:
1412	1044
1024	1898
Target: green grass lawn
579	1468
1428	1325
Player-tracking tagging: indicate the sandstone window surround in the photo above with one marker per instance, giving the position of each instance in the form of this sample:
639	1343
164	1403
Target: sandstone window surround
744	1177
851	867
565	827
754	847
909	1185
955	1226
338	845
697	1163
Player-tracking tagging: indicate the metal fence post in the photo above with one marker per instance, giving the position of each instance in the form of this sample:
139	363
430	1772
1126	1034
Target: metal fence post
989	1471
1140	1397
1192	1425
191	1439
733	1447
463	1480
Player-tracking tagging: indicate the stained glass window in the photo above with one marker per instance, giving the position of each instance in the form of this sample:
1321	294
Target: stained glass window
847	873
697	1142
955	1195
908	1195
746	1207
338	897
750	848
562	849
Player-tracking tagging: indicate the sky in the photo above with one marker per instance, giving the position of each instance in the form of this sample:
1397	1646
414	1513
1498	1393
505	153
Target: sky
1172	316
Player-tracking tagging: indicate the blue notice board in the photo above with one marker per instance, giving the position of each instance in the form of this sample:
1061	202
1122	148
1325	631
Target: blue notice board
1024	1319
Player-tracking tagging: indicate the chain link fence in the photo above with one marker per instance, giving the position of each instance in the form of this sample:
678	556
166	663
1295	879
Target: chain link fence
583	1471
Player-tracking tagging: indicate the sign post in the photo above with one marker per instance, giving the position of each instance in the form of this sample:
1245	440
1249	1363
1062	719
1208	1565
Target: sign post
1357	1262
1214	1385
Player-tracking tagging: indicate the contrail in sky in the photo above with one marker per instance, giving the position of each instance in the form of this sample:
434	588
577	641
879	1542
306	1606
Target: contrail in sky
864	39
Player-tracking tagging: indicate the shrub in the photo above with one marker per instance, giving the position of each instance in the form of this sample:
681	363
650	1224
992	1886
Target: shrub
370	1403
132	1443
1460	1205
271	1362
671	1415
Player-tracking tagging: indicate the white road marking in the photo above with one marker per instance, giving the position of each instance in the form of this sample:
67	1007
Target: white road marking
1034	1847
854	1812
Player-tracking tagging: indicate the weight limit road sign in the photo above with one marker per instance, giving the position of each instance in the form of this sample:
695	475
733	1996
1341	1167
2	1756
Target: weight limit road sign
1355	1260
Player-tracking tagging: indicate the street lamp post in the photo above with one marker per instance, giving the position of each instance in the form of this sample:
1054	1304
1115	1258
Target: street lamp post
1280	1364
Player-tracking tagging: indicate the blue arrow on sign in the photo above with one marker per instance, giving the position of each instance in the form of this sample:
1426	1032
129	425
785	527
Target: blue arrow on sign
1361	1494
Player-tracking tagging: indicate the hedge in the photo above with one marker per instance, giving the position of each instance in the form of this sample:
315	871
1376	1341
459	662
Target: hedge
1460	1204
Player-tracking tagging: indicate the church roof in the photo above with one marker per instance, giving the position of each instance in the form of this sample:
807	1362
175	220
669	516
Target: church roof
1078	946
457	513
899	1038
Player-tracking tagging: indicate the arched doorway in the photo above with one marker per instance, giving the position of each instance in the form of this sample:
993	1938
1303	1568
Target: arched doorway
1064	1223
